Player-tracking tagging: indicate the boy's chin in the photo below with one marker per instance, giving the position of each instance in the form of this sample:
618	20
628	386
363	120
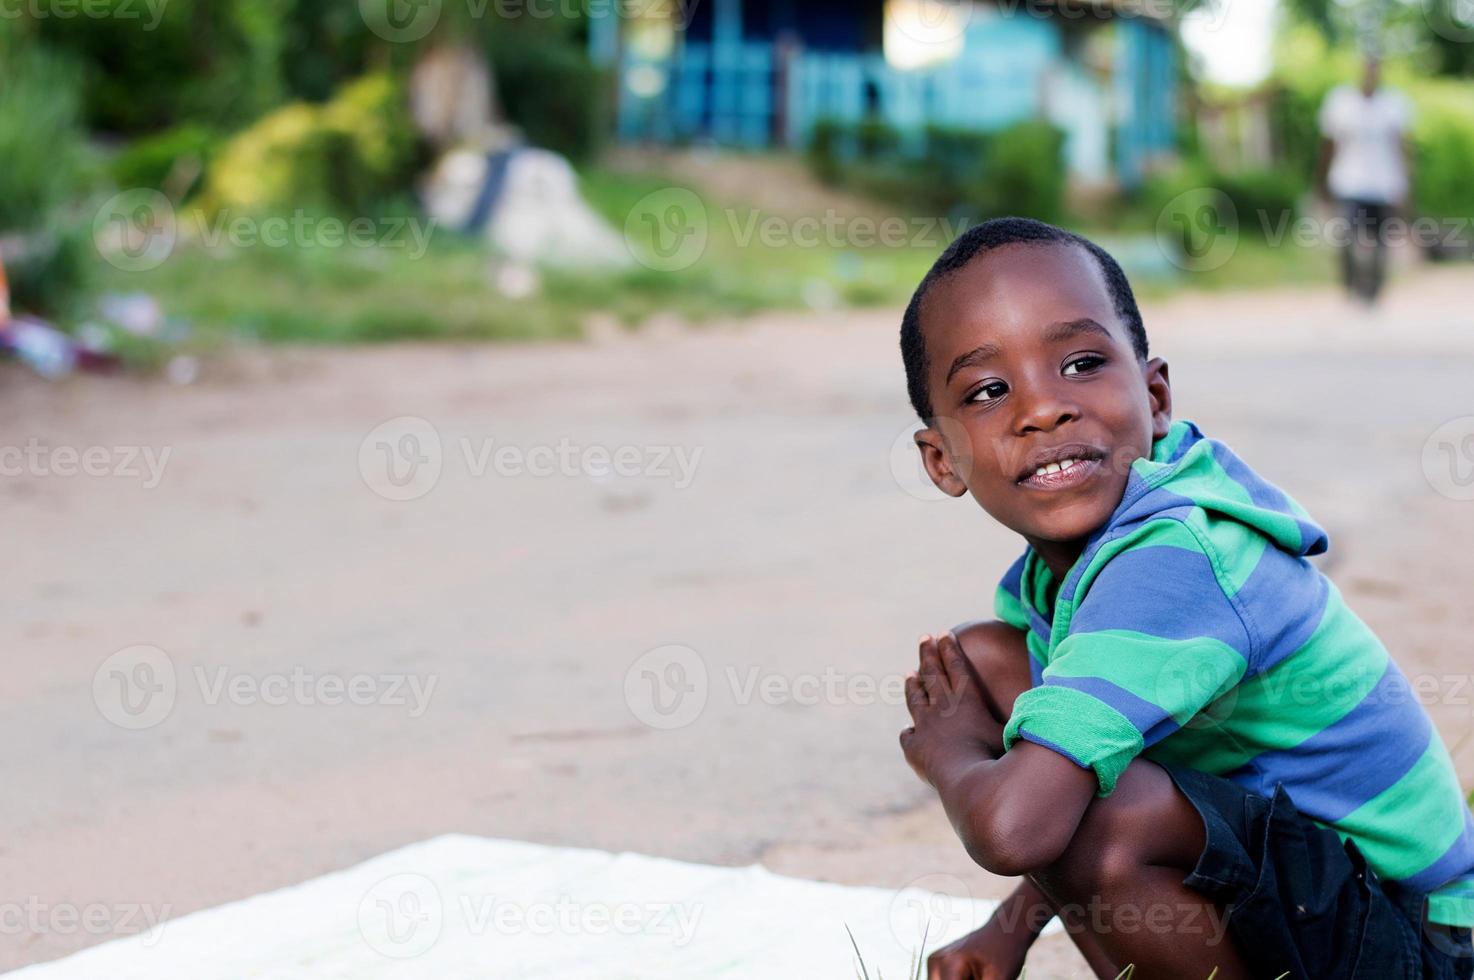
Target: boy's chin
1072	526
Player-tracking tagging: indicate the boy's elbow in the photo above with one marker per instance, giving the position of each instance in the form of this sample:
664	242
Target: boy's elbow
1004	841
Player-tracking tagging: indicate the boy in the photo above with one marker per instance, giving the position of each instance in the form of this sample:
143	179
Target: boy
1177	722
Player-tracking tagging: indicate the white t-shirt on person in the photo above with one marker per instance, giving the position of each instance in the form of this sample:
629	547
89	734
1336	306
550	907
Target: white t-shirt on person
1367	163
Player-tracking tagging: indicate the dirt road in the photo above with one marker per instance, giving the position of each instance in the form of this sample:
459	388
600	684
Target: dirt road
351	672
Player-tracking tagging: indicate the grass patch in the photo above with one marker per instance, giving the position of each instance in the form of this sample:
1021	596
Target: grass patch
751	262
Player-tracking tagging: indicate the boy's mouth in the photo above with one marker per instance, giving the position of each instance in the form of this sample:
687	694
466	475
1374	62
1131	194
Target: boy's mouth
1061	468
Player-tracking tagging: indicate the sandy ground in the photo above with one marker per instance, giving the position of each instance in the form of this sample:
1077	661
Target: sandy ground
794	565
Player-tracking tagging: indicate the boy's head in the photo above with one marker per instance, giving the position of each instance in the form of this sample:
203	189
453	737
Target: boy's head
1024	350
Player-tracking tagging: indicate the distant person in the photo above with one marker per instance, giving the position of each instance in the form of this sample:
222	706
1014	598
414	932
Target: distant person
1366	166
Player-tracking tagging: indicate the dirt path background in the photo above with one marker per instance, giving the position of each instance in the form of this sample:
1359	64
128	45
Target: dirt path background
794	565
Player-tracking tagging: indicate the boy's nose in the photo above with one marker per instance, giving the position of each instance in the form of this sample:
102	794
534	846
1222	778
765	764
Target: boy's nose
1045	412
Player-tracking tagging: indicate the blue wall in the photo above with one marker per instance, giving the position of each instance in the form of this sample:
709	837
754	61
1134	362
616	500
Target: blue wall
725	77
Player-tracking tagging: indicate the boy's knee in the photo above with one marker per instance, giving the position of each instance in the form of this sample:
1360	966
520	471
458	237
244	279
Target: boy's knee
1000	656
1145	821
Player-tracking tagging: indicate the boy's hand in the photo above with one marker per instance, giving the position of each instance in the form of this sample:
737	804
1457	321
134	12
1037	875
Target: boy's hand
987	954
951	723
997	950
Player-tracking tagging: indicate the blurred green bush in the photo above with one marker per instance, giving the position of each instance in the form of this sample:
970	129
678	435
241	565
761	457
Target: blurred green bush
150	160
550	90
45	168
1443	149
349	155
1019	169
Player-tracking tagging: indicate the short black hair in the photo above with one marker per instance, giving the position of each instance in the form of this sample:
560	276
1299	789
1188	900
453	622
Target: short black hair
991	234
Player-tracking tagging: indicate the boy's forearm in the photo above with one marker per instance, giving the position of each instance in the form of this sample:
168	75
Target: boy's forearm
1024	913
1016	813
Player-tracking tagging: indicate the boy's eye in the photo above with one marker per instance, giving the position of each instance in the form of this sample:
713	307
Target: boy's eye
988	392
1081	365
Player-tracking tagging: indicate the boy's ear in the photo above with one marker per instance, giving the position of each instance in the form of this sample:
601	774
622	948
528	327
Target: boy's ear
1159	393
938	461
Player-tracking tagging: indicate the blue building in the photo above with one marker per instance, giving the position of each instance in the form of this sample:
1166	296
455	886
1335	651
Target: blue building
762	73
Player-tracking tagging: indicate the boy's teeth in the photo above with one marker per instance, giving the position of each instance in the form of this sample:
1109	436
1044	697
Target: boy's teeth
1062	465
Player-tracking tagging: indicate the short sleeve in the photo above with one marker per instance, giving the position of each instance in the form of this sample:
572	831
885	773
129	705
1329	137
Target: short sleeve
1154	640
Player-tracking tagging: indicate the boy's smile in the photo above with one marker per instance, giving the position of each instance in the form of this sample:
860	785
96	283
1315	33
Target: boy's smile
1041	401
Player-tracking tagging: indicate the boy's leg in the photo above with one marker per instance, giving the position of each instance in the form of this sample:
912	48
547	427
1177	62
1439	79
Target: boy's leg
1000	658
1121	880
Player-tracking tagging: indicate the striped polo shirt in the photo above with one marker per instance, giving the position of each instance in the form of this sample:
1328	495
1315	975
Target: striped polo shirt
1193	630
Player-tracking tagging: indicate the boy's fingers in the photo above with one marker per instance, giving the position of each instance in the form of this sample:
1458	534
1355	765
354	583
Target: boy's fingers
915	694
945	966
933	680
953	662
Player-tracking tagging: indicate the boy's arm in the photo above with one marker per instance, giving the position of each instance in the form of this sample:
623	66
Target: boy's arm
1014	812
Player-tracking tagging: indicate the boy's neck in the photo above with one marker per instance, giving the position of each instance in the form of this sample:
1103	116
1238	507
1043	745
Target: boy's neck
1058	556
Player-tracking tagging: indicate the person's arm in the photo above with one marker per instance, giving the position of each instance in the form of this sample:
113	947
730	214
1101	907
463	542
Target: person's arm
1326	123
1323	167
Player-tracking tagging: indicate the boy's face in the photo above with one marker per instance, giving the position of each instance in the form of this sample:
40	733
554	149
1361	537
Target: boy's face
1029	367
